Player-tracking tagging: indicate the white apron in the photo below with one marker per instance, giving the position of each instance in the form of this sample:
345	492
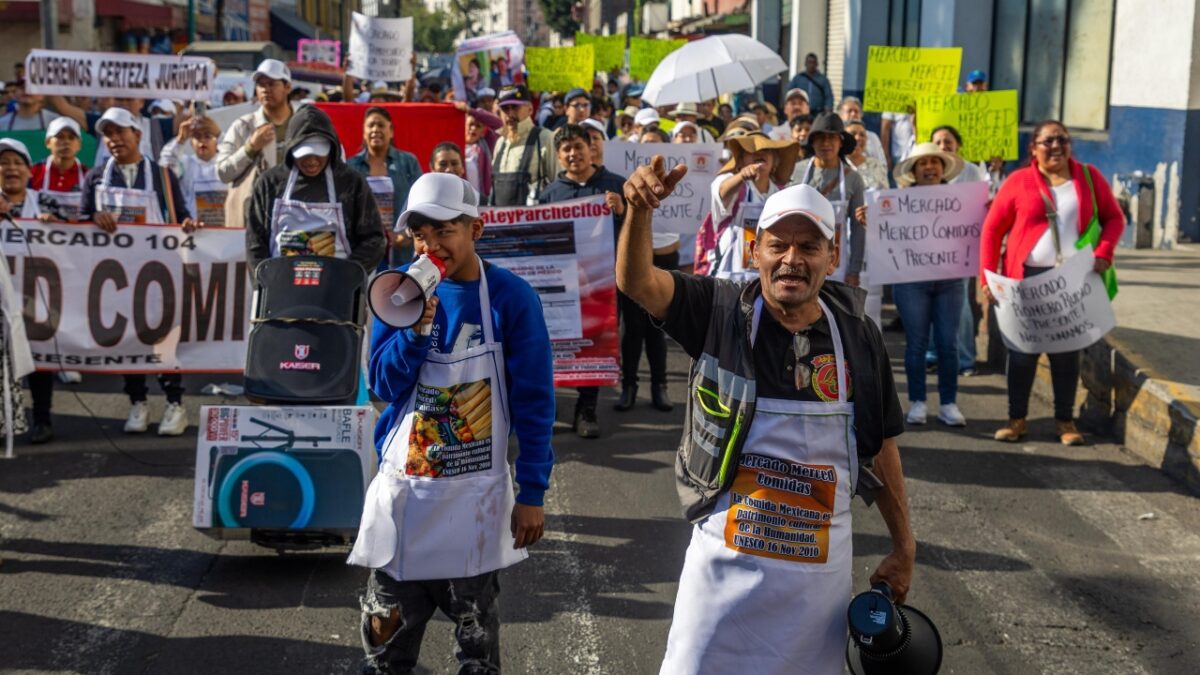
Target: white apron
385	198
208	196
733	243
130	205
441	504
69	203
767	577
308	228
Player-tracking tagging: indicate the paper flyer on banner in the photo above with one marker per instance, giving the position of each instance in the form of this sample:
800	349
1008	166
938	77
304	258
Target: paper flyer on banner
684	210
560	68
492	61
897	76
987	121
143	299
100	74
327	52
1063	310
380	49
609	50
565	251
925	233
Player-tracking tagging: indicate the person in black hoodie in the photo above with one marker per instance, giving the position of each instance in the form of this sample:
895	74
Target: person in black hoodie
313	203
581	178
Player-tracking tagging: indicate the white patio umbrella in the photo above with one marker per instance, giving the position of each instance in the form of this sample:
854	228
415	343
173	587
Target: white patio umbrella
700	70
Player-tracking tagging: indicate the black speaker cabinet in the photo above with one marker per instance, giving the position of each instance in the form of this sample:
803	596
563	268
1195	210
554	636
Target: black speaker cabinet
306	342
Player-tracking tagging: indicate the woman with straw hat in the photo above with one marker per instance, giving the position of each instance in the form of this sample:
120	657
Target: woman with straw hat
926	304
758	167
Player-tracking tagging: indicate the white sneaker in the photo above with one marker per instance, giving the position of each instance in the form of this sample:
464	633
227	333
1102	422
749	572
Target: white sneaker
951	416
139	418
916	413
70	376
174	420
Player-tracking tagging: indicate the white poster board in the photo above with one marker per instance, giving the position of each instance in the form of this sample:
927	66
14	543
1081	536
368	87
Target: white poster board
1063	310
97	74
684	210
925	233
380	49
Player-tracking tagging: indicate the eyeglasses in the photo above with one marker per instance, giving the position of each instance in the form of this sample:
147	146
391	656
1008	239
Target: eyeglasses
1054	140
800	348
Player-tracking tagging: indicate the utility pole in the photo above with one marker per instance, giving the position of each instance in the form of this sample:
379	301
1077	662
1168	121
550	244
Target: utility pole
49	18
191	21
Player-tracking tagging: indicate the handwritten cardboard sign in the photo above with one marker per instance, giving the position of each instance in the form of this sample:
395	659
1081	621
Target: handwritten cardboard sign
684	210
380	49
609	49
1063	310
560	68
897	76
925	233
646	53
987	121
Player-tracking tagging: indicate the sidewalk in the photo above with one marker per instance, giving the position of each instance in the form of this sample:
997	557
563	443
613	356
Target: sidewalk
1141	384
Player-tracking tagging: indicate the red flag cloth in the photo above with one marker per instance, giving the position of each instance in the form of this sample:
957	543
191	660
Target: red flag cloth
418	127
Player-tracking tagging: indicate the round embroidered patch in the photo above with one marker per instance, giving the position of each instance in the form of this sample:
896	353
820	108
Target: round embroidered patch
824	378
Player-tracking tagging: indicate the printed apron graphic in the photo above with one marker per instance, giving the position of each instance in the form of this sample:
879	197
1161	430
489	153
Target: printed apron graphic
308	228
69	203
129	205
451	430
385	198
781	509
208	200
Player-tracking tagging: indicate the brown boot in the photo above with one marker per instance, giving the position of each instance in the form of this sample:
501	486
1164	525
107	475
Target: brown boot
1067	433
1013	431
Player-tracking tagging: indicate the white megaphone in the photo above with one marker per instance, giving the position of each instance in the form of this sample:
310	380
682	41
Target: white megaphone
398	298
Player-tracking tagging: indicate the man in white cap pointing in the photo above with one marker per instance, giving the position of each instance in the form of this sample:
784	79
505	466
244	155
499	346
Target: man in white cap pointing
793	412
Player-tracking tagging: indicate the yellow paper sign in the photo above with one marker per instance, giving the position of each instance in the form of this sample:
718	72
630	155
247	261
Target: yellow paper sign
560	68
646	53
897	76
987	121
609	49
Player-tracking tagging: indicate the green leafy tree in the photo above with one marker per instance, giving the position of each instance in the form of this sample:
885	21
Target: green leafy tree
466	13
559	17
433	31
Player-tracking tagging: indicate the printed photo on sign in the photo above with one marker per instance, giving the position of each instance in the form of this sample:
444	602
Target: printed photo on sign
301	242
451	430
780	509
492	61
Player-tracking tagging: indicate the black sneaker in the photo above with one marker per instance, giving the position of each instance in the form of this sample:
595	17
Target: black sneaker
41	433
628	398
660	399
586	425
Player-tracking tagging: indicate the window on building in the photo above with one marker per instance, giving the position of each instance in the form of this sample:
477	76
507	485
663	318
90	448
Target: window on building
1057	54
904	23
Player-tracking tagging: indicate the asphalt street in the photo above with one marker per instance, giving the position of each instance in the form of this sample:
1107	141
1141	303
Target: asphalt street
1032	558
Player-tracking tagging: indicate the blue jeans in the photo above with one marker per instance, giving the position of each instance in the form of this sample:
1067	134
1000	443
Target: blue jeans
935	305
966	334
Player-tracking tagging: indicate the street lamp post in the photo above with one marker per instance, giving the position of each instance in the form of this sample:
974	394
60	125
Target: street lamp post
49	18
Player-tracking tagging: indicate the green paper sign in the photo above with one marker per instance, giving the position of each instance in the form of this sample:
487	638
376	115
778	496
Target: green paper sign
898	76
609	50
646	53
560	68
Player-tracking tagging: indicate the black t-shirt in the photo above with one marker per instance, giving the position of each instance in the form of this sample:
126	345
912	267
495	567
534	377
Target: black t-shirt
774	362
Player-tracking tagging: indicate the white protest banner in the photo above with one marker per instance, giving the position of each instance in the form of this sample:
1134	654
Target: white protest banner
1063	310
144	299
565	251
486	61
328	52
96	74
380	49
684	210
925	233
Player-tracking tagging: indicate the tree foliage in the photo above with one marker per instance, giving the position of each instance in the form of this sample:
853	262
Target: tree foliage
466	13
558	16
434	31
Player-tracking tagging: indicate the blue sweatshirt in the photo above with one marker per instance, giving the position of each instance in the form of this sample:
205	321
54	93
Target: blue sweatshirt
397	355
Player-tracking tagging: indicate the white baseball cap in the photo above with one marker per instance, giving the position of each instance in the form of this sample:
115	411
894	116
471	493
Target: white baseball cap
59	123
118	116
164	105
17	147
646	117
273	69
799	200
440	196
796	92
315	146
590	123
485	92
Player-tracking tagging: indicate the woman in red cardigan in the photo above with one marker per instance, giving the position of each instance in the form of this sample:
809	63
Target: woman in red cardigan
1019	218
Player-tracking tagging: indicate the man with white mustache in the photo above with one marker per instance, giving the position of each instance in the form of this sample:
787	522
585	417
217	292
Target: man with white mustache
792	412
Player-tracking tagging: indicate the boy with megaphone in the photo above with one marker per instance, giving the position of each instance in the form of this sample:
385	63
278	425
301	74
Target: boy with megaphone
474	368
